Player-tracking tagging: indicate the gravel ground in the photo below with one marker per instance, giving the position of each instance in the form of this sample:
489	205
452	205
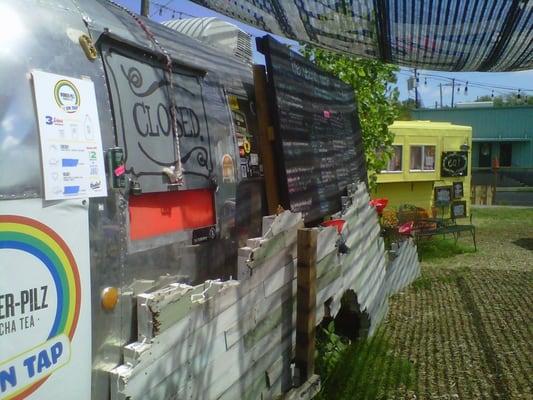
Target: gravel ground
466	324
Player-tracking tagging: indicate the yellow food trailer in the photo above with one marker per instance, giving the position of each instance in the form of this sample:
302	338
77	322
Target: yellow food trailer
430	167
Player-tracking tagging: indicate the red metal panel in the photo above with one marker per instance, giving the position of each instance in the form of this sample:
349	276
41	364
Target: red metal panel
154	214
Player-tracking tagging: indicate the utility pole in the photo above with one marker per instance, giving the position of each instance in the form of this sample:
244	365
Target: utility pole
453	89
440	87
145	8
452	85
416	90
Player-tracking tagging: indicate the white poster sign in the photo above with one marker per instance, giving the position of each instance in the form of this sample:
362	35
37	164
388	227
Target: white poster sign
45	300
71	143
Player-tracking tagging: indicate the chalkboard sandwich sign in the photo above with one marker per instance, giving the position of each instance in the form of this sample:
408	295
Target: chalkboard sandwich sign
318	141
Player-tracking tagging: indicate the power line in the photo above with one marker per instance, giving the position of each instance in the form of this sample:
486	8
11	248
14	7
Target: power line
467	84
462	86
160	9
165	8
478	84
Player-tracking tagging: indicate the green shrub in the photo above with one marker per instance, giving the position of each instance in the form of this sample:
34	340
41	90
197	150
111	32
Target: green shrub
365	369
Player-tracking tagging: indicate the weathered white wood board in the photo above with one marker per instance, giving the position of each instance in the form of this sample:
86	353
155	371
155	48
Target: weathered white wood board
235	339
326	242
404	269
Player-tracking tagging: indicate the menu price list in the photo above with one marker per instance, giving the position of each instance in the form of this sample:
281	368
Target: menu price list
318	135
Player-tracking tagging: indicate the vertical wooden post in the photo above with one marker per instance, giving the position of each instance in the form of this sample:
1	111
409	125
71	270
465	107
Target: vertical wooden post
490	195
145	8
306	303
266	138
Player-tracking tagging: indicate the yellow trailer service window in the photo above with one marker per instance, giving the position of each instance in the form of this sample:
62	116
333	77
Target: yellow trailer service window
422	158
395	162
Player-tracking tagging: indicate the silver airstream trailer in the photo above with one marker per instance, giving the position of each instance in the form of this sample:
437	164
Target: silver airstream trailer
127	80
130	189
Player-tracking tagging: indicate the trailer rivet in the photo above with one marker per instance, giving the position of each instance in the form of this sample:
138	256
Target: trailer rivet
109	298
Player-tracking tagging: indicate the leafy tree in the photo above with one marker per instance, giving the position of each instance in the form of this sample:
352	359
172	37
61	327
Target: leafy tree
404	109
484	98
510	99
377	101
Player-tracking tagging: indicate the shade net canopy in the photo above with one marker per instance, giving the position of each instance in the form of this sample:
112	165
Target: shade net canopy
449	35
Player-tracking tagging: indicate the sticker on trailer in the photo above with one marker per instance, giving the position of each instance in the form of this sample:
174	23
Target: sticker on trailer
254	159
233	102
71	143
228	171
45	300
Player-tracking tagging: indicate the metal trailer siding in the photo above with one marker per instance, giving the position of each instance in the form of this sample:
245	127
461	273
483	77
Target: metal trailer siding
47	39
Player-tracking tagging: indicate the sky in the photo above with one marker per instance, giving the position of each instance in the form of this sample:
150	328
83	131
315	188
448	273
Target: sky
428	81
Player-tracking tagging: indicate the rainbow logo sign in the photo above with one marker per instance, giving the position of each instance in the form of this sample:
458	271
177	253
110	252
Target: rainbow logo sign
23	374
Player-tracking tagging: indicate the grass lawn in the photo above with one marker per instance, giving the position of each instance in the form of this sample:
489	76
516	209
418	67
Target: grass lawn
463	330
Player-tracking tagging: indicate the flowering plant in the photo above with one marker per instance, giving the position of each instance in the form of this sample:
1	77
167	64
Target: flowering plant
389	219
379	204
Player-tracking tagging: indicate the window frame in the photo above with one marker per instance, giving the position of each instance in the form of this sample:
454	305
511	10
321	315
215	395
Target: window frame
423	146
505	158
399	171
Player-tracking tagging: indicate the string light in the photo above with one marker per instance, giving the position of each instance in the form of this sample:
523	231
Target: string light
480	85
476	84
499	90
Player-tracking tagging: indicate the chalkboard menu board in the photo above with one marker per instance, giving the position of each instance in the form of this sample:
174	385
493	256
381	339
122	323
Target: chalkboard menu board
443	195
318	136
458	209
458	190
454	163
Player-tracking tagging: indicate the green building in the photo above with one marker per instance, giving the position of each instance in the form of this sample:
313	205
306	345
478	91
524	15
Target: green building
500	135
